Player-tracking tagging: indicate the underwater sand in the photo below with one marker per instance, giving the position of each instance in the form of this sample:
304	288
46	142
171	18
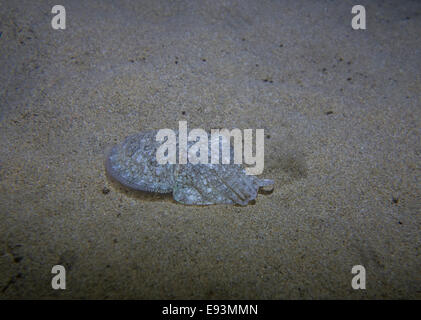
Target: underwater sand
340	108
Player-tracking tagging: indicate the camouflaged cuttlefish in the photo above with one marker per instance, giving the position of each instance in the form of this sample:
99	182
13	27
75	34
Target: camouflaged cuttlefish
133	163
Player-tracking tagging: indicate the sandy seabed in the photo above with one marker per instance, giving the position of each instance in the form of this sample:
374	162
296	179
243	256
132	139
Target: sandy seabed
341	112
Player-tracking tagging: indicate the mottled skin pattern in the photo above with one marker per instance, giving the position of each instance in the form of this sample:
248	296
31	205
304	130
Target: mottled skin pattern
133	163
